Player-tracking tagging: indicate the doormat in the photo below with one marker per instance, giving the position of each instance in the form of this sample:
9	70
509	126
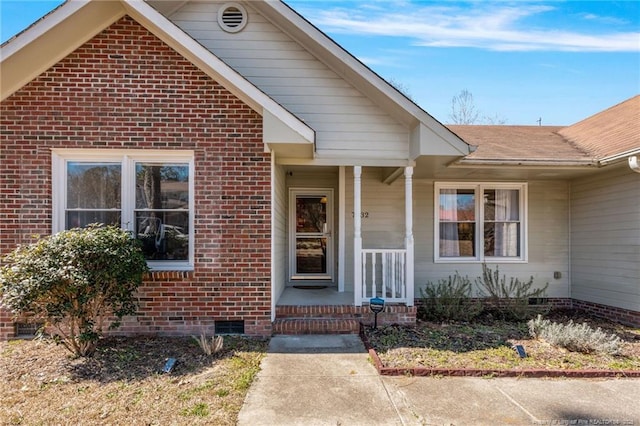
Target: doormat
310	287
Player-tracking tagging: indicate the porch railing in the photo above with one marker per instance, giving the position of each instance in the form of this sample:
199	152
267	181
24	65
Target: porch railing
384	274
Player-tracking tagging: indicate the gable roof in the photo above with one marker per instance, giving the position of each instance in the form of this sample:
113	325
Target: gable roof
520	145
69	26
608	136
610	133
75	22
429	136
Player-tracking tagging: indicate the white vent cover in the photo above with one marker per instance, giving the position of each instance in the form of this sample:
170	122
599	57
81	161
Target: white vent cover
232	17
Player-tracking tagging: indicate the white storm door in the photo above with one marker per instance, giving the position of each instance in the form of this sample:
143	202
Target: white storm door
311	231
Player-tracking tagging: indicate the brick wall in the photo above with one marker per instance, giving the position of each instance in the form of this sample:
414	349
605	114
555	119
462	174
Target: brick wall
127	89
623	316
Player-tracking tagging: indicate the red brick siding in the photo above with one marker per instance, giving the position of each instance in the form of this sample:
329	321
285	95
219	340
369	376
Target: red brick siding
126	89
623	316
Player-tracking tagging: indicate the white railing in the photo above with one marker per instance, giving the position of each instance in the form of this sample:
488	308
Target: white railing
384	275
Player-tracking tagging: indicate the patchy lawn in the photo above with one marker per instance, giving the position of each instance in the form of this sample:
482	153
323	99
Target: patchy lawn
41	383
488	343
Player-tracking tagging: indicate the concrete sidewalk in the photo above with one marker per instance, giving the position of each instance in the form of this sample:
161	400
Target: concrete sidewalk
328	380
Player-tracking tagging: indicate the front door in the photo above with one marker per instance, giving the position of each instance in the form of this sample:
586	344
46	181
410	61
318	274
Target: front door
311	246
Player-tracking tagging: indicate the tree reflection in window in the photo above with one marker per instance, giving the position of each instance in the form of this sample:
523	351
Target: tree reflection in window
93	194
162	210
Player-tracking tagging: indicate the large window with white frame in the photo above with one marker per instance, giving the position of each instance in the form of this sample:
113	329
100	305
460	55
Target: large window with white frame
149	193
478	222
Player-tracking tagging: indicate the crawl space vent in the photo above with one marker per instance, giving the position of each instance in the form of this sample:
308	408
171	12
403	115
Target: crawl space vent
232	17
229	327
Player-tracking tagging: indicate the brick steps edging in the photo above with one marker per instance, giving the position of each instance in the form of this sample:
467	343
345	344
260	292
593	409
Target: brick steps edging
316	326
477	372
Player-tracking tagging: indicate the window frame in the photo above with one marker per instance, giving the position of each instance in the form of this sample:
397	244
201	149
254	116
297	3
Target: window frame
479	188
128	160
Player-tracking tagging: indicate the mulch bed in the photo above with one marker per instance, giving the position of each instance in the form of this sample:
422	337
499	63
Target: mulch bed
485	348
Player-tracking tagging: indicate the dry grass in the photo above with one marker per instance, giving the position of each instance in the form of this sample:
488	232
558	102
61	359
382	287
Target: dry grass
488	344
122	384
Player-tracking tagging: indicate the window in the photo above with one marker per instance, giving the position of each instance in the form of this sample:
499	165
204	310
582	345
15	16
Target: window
149	193
480	222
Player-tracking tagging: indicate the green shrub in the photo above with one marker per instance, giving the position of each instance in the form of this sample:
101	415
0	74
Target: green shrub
449	299
74	280
575	337
510	300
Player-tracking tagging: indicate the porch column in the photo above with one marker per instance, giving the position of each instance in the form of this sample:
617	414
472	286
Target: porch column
408	239
357	236
341	227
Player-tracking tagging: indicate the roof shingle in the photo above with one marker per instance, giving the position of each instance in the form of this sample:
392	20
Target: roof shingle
614	131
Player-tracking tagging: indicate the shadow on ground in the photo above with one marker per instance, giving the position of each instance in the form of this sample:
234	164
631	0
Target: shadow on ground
119	358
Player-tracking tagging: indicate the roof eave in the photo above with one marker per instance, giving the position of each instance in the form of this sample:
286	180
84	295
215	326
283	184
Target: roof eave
184	44
364	78
622	156
49	40
72	24
520	163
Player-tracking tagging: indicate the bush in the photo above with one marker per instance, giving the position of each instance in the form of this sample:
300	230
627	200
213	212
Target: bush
511	300
575	337
74	280
449	300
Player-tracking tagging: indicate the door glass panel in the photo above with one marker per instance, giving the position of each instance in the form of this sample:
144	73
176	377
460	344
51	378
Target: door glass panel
311	255
311	214
312	237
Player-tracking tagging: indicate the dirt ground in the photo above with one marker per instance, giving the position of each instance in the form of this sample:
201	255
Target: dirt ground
123	382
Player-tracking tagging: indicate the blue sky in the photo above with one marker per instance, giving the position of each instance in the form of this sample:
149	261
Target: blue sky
561	61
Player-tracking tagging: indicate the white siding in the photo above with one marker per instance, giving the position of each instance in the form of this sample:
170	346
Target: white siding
605	239
347	124
548	239
279	211
383	221
548	234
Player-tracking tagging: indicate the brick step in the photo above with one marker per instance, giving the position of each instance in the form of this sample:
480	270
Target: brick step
321	311
316	326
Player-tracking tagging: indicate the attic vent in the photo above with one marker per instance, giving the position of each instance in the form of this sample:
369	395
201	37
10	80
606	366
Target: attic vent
232	17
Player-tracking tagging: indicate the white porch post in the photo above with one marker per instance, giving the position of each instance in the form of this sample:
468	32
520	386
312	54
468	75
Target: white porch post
408	240
357	236
341	227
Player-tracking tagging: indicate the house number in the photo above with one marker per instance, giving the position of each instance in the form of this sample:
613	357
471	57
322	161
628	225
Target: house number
363	215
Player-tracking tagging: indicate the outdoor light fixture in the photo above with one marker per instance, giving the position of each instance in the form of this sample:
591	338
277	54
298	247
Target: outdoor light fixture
376	305
171	362
520	350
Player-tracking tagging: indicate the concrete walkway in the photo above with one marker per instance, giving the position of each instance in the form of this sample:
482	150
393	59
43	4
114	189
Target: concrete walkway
328	380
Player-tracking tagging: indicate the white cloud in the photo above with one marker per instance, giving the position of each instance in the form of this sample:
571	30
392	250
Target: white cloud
490	26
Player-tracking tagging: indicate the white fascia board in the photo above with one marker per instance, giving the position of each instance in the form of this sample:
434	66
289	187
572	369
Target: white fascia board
184	44
523	164
41	27
619	157
425	141
343	161
51	39
282	139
